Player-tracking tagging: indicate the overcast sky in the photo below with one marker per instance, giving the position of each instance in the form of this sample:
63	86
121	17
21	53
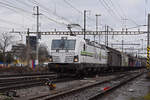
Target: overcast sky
19	13
56	14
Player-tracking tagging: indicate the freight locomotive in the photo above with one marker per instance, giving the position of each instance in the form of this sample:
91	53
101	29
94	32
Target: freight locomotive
70	54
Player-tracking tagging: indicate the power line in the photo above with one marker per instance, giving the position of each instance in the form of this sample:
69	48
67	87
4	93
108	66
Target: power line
115	9
45	9
48	10
24	3
68	3
20	9
73	7
42	10
104	4
53	20
121	14
2	3
113	12
16	9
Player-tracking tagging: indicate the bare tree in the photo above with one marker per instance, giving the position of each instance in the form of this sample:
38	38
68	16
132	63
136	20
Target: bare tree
5	42
24	53
43	53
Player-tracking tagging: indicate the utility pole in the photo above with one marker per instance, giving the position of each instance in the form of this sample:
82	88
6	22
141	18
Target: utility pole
122	45
107	34
84	24
142	43
38	36
97	26
148	42
28	47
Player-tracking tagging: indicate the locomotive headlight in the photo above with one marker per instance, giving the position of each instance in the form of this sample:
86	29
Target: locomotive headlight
50	58
76	58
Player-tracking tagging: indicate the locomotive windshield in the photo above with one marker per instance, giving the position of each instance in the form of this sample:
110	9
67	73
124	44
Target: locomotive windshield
63	44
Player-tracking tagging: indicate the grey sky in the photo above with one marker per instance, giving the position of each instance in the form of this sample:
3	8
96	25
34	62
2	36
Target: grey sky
18	14
112	11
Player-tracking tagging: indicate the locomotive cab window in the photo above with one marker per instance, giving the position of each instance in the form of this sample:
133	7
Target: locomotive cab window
63	44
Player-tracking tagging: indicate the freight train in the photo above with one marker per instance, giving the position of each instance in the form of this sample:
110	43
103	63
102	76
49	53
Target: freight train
70	54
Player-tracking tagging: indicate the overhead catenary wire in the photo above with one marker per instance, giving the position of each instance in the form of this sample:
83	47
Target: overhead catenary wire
24	3
120	8
61	20
48	10
114	9
68	3
121	12
108	10
17	8
11	7
53	20
19	11
80	12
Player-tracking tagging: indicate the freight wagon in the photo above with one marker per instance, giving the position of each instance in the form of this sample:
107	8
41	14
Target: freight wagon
70	54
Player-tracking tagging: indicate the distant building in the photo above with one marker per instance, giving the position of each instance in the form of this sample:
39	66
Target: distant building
32	42
18	49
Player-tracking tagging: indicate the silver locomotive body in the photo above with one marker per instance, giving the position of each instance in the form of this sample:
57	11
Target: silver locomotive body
74	54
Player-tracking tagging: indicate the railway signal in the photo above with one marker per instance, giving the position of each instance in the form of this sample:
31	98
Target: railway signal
148	42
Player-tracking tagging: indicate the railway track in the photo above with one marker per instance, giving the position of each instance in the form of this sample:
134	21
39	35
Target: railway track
20	82
12	79
113	86
90	91
10	82
25	74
